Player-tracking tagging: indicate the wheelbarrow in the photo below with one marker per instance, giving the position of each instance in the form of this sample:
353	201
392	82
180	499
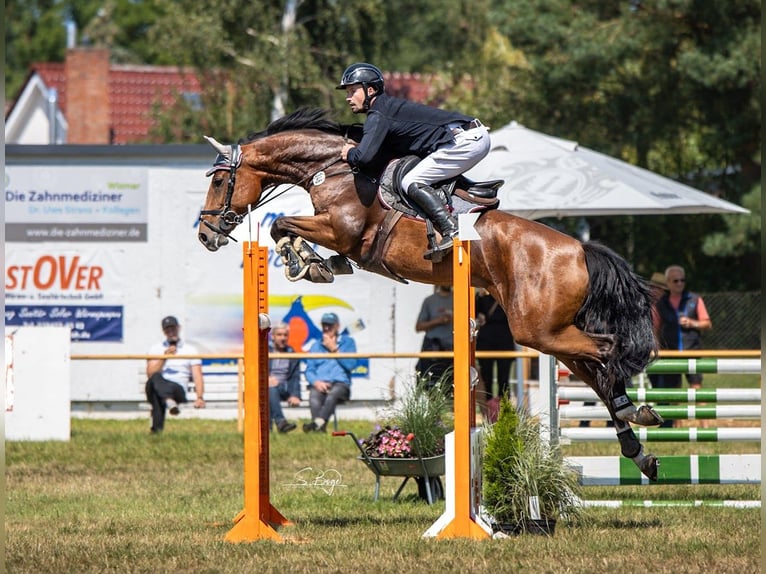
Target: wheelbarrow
426	471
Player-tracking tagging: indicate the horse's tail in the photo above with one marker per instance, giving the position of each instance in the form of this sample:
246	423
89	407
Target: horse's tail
618	303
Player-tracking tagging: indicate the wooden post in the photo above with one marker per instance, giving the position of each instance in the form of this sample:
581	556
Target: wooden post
256	520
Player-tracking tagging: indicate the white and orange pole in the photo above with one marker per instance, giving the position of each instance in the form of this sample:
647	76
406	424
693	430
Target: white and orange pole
463	481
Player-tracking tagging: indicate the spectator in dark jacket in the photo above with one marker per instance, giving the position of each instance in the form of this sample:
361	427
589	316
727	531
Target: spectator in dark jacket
284	379
680	316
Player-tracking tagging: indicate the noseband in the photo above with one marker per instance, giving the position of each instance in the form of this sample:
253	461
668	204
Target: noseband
229	218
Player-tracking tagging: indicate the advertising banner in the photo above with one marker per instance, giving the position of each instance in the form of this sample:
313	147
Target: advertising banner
81	290
70	203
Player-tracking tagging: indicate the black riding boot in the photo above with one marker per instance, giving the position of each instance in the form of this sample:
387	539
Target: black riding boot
425	196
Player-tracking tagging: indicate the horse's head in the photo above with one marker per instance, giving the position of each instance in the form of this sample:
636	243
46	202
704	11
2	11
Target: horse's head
228	197
291	150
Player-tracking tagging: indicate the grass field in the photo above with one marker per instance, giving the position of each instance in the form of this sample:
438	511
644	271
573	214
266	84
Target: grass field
117	499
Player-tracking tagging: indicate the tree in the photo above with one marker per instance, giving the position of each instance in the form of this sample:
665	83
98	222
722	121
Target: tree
35	31
657	84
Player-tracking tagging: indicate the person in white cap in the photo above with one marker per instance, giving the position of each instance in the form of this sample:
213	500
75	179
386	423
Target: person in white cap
329	379
168	377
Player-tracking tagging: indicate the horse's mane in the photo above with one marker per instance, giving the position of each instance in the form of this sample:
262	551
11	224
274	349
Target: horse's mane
302	119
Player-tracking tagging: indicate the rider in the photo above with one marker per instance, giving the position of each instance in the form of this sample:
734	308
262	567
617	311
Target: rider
449	143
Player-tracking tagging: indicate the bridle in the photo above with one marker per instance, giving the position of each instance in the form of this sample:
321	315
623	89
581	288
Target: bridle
229	218
230	161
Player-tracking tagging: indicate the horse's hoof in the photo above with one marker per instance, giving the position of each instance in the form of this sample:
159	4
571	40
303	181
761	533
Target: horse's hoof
648	464
647	416
339	265
644	415
318	273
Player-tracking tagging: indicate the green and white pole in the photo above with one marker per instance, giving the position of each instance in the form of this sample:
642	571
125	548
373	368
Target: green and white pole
670	395
705	365
681	469
669	412
743	504
724	434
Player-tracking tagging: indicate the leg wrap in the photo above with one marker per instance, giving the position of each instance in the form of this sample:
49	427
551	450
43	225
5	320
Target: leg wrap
629	444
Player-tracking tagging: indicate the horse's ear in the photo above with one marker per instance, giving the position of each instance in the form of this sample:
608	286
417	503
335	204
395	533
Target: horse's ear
219	147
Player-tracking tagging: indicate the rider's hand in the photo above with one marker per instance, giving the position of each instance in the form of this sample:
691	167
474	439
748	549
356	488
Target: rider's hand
344	151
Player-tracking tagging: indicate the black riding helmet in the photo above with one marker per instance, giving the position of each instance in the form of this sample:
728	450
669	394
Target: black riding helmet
364	74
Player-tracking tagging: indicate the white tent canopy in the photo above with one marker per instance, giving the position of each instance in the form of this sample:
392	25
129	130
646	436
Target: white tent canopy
547	176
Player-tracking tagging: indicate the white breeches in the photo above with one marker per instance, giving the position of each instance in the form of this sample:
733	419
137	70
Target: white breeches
450	160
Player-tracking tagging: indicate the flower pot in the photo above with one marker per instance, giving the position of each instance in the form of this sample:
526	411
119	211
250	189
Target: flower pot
425	471
434	465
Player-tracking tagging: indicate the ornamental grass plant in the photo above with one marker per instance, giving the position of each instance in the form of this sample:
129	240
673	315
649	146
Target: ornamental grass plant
519	464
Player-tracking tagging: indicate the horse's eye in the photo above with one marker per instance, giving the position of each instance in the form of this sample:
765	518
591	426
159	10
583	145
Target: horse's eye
217	181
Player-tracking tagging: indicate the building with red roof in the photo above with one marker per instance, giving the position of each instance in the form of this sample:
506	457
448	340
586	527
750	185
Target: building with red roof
88	100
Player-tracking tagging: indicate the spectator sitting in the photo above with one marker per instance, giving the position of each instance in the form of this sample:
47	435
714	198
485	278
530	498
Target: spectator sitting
329	379
284	378
167	378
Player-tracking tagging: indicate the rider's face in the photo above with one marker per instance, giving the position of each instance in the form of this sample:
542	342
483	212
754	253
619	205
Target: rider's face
355	98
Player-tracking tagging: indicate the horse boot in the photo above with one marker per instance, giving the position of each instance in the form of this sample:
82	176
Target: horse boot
425	197
295	267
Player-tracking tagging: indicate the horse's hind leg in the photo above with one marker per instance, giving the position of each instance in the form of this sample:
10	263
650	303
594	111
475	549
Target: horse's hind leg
618	402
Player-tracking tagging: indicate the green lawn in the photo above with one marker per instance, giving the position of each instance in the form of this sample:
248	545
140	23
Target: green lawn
117	499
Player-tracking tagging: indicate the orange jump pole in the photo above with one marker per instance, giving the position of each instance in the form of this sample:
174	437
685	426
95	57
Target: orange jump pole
463	483
257	520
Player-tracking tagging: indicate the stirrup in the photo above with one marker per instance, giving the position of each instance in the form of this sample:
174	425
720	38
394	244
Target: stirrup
437	252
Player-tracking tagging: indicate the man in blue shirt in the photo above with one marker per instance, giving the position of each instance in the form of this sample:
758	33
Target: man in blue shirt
449	143
329	379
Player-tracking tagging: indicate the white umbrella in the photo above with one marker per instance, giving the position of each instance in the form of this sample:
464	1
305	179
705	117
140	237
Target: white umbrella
547	176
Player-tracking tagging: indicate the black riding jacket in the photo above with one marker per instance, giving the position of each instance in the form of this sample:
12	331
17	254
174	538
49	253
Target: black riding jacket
401	127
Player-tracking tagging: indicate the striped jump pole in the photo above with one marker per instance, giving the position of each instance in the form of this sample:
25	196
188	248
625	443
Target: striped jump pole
588	434
705	365
671	503
681	469
670	412
670	395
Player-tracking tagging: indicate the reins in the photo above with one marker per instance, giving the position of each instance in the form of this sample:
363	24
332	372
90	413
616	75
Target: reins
317	178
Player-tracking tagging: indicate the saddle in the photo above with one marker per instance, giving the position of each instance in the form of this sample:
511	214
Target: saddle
460	193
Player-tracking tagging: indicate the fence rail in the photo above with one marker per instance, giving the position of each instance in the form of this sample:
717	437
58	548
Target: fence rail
425	354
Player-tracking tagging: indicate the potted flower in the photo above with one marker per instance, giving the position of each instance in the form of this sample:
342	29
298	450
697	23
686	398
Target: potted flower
527	485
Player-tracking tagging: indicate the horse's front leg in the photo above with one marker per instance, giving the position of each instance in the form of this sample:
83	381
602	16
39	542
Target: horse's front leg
292	236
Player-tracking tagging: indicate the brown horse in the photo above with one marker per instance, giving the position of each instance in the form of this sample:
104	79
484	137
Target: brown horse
579	302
